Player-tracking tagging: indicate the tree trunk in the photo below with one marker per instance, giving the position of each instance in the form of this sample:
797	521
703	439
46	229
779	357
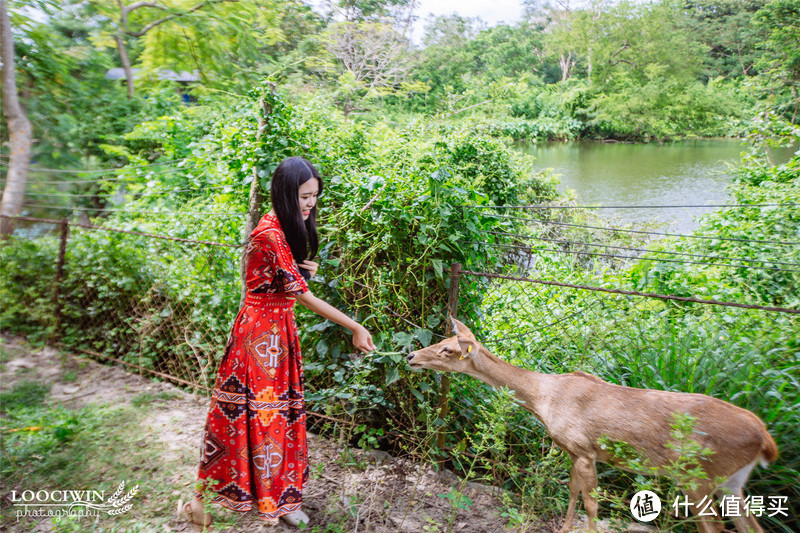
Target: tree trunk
19	130
126	63
565	62
256	203
589	66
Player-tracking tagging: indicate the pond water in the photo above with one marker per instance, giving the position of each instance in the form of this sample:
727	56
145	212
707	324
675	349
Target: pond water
617	174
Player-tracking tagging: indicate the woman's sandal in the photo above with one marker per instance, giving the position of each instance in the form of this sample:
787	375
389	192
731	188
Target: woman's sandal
185	513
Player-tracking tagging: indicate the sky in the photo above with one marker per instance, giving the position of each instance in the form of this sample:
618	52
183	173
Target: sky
491	11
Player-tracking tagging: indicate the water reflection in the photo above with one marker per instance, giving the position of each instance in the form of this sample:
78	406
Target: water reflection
617	174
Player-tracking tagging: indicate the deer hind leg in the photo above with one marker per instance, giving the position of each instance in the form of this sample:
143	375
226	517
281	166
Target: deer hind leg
583	480
733	486
742	520
706	523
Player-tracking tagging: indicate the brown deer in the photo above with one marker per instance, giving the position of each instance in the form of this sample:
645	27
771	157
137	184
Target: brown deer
578	409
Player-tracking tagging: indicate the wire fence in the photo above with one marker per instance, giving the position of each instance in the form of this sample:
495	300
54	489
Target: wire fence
544	317
167	308
163	305
159	304
620	333
545	322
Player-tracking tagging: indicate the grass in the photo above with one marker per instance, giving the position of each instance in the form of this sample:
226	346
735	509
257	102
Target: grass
92	448
96	447
26	393
149	399
52	447
4	355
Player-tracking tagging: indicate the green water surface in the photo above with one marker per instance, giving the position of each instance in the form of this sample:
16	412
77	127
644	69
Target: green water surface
689	173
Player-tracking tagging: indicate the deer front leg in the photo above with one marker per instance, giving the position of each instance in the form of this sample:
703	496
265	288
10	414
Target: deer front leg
587	473
574	490
582	479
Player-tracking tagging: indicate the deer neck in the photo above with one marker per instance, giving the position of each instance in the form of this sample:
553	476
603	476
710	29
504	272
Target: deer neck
493	371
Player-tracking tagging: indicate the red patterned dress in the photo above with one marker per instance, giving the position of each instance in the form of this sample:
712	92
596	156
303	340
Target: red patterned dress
254	444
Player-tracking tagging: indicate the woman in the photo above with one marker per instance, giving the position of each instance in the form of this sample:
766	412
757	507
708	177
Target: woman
254	445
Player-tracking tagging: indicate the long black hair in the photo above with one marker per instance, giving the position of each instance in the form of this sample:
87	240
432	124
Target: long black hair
286	181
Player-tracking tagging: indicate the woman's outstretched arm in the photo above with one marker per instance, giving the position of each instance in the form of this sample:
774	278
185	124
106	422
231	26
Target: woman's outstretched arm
362	339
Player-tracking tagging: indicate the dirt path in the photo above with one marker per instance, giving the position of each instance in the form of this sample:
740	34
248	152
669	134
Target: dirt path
349	491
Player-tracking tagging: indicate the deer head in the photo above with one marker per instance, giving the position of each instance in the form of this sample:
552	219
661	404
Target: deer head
450	355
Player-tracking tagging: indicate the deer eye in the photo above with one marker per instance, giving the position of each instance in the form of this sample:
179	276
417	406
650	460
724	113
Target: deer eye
446	350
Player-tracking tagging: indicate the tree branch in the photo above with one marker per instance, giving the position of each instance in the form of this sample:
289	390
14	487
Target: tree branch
162	20
137	5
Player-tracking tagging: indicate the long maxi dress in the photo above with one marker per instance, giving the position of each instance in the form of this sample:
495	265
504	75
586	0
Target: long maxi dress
254	452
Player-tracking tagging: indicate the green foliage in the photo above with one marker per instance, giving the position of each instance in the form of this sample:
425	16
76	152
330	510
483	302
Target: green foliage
724	27
26	286
754	234
460	55
395	215
780	63
641	71
679	474
662	108
72	107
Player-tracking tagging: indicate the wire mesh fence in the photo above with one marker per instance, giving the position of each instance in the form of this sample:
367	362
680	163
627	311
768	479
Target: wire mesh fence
630	336
160	304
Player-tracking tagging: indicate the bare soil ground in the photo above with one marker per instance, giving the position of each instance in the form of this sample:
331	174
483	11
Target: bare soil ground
358	491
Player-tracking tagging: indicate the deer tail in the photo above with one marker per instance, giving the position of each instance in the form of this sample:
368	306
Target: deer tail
769	450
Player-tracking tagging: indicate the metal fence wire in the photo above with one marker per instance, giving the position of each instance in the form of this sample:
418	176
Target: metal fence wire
159	304
630	337
164	304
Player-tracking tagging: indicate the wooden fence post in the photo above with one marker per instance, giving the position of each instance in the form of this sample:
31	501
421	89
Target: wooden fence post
444	393
62	254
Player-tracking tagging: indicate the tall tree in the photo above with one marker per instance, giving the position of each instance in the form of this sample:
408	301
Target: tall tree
157	13
19	127
446	57
555	17
372	10
73	108
371	48
779	21
638	41
724	26
372	57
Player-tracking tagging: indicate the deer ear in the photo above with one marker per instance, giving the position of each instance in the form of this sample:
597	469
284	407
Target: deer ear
454	325
460	329
468	347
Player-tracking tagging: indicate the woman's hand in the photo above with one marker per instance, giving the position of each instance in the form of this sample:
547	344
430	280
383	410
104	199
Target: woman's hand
311	266
362	339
